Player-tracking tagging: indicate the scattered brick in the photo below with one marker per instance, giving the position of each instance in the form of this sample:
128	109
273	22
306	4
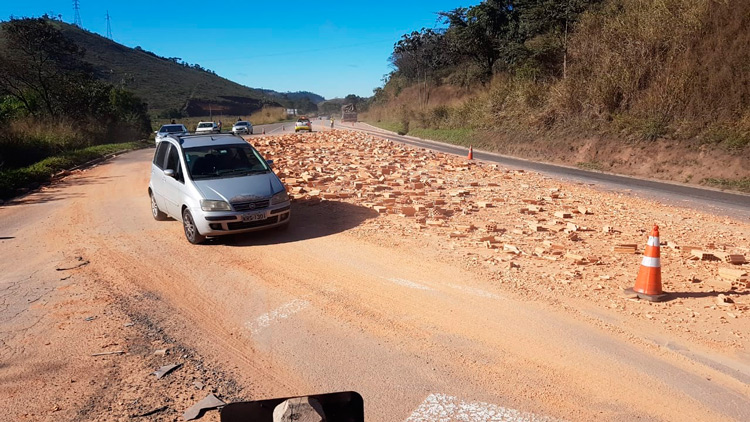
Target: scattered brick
630	248
733	274
735	259
702	255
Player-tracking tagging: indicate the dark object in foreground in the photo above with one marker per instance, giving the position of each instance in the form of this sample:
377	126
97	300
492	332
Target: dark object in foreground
346	406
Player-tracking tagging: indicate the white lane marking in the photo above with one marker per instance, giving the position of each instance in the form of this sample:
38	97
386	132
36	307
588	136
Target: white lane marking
408	283
275	130
282	312
474	291
445	408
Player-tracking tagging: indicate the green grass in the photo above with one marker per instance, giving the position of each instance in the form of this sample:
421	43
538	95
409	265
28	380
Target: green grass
387	125
42	171
461	136
589	165
742	185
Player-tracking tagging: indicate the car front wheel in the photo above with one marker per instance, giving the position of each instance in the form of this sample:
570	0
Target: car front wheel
155	211
191	231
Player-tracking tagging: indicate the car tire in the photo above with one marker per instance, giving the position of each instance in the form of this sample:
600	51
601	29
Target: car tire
155	211
191	231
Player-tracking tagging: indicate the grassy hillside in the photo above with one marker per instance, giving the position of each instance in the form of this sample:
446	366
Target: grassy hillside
162	83
168	86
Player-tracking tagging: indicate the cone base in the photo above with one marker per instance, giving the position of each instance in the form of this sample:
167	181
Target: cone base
650	298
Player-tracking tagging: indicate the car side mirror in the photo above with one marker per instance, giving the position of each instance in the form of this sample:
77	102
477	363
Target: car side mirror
169	173
155	132
270	163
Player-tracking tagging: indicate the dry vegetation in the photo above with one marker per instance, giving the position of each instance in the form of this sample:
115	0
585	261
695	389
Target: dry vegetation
671	74
268	115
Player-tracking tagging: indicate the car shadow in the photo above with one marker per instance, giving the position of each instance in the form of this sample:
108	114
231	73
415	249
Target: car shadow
697	295
310	219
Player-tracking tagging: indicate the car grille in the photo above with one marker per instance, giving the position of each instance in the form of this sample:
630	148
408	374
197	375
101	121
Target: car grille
250	205
250	224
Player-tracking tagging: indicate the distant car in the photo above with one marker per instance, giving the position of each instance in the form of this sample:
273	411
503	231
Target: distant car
242	127
173	129
216	185
303	123
207	127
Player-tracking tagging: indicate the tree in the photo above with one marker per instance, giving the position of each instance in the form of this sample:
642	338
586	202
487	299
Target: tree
480	32
420	55
38	64
554	17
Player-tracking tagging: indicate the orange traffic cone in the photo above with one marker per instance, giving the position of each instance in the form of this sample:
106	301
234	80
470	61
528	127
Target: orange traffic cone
648	282
264	131
471	153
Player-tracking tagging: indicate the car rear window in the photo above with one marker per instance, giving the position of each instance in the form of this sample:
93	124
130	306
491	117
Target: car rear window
205	125
172	128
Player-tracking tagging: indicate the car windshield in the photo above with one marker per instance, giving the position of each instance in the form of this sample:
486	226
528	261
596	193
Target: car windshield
172	128
217	161
241	124
205	125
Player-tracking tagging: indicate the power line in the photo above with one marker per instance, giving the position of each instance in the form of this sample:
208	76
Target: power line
77	18
109	27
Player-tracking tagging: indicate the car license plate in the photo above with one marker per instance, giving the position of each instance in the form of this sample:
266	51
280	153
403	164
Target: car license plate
255	216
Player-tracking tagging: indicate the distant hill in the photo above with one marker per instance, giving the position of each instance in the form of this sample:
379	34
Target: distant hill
294	96
168	85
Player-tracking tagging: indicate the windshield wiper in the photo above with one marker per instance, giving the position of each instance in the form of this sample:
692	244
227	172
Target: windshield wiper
240	171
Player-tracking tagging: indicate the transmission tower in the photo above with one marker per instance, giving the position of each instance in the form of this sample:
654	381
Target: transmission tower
77	18
109	27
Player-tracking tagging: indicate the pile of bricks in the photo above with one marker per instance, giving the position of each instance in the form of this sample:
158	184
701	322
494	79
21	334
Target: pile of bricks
544	236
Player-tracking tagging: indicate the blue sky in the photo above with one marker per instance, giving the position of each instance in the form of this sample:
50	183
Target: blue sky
332	48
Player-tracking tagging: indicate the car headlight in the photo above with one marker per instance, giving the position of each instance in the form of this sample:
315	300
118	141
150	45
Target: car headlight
280	197
211	205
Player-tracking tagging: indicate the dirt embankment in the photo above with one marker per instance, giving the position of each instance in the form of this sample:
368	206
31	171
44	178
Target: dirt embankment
660	159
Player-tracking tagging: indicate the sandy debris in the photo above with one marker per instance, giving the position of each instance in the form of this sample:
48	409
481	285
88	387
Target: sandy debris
534	235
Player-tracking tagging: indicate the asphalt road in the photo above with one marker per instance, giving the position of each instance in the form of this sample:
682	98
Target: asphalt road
714	201
288	127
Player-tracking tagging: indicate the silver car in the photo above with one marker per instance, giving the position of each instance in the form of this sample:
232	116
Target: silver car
242	127
207	127
215	185
173	129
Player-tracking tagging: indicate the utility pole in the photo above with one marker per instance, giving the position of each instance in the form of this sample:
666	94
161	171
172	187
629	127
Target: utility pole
77	14
109	27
